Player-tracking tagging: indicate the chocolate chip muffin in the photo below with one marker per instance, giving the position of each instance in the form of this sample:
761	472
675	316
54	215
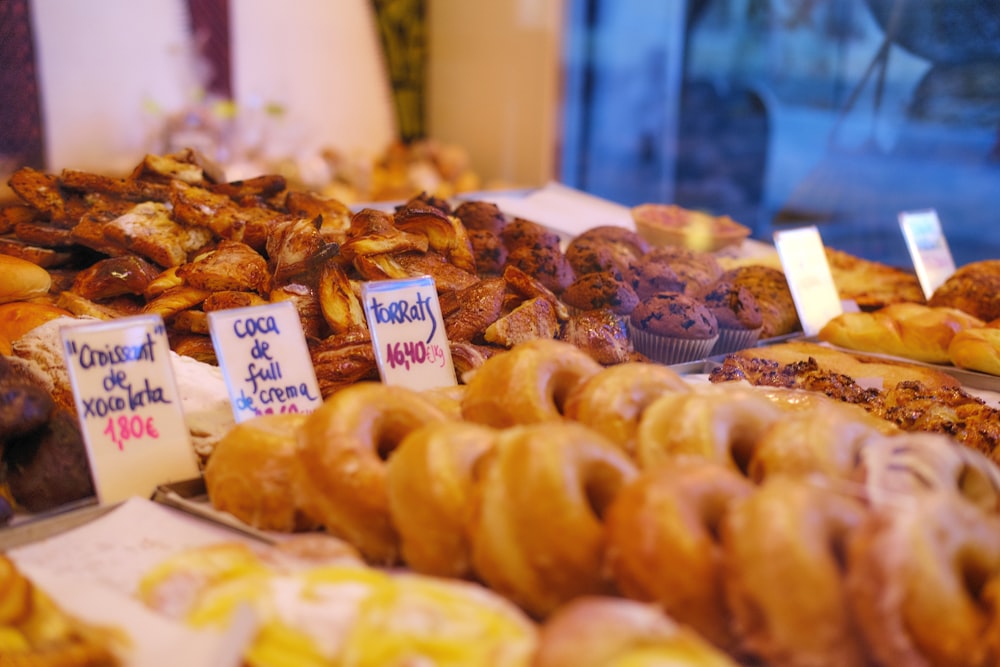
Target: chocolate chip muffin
739	317
481	215
650	276
604	248
545	264
601	289
673	328
697	270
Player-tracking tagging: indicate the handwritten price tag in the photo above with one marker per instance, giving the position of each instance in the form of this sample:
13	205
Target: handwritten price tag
928	248
407	330
810	281
263	356
127	401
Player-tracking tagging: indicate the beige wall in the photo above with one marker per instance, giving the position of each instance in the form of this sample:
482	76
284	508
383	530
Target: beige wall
493	79
107	87
493	84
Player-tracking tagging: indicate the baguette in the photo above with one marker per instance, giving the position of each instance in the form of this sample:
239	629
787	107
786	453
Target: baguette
909	330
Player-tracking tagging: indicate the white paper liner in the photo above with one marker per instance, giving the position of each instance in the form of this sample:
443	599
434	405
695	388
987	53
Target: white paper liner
732	340
668	349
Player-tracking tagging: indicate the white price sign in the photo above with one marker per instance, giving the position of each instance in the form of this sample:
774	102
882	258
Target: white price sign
264	359
407	330
928	248
807	270
129	409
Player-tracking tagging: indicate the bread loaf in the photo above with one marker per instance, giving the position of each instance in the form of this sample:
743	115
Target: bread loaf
910	330
974	288
22	279
977	348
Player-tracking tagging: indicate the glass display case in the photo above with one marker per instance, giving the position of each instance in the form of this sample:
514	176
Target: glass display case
789	112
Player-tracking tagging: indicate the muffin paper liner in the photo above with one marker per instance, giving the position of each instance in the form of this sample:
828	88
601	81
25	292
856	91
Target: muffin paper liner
671	350
732	340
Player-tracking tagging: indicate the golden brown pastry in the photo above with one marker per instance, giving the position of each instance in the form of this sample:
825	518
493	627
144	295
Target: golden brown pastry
19	317
341	462
22	279
977	348
663	542
784	574
612	401
536	532
430	489
886	372
250	473
923	577
722	427
35	631
909	330
526	384
974	288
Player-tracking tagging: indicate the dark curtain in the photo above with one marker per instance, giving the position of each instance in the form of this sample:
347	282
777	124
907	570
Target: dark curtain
21	140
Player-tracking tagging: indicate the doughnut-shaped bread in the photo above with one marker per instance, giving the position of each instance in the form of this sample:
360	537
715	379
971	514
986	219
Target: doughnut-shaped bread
924	578
785	584
612	401
717	423
663	542
527	384
342	450
537	533
920	463
430	488
597	631
251	473
827	439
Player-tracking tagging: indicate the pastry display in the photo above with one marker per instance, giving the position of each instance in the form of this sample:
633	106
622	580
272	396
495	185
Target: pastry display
556	516
572	499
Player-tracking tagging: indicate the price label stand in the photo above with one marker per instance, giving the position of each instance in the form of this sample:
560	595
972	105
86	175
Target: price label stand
128	405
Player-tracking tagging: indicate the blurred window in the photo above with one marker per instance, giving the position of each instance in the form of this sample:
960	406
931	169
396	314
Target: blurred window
838	113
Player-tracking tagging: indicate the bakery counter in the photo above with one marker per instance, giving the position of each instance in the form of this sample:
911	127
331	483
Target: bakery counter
462	485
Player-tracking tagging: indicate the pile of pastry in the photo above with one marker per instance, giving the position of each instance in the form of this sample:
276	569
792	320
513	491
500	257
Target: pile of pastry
783	527
959	324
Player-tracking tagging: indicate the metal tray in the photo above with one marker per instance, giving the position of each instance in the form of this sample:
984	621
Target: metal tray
191	496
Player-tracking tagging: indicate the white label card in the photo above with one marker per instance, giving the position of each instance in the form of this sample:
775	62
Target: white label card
407	329
264	359
807	270
128	405
928	248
